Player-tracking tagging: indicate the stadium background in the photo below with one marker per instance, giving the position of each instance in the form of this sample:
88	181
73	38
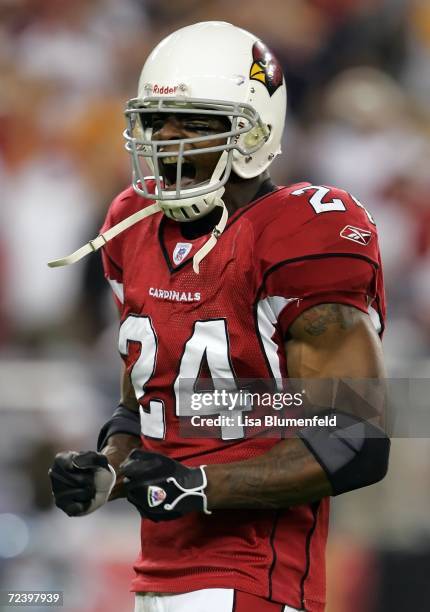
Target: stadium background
358	77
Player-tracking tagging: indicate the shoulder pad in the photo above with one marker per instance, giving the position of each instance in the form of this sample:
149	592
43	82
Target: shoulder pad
315	220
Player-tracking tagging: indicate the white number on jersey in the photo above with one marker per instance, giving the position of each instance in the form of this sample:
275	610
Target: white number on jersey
139	329
209	340
316	200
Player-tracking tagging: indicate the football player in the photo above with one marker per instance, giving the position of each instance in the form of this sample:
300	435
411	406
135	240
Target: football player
217	272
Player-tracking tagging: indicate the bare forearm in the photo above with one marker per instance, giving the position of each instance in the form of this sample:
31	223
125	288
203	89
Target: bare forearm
287	475
117	450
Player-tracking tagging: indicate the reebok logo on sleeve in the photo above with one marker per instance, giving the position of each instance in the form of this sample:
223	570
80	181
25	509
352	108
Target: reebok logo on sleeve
356	234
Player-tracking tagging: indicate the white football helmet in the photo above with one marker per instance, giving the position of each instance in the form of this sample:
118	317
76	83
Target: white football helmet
211	68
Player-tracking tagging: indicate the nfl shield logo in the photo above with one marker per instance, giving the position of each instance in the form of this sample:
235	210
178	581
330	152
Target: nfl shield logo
156	496
180	252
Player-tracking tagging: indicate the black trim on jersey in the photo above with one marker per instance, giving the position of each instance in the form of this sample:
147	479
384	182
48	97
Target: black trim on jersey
266	187
285	262
233	609
172	269
274	556
315	507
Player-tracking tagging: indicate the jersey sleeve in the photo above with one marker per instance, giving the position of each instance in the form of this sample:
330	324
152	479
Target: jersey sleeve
124	205
322	251
112	257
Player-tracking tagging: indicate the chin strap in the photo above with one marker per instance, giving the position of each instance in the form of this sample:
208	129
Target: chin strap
102	239
211	242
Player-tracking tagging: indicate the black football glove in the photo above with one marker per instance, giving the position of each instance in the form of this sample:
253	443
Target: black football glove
162	488
81	482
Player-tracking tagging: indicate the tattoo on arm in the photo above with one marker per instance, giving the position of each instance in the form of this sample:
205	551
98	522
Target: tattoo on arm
285	476
317	320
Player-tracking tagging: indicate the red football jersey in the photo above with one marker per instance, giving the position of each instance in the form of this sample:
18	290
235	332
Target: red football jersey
291	249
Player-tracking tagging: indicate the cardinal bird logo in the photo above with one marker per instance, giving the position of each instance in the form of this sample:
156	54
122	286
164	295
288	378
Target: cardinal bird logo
265	68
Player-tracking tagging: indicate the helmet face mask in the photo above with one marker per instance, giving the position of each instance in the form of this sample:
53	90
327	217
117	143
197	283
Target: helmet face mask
246	135
208	69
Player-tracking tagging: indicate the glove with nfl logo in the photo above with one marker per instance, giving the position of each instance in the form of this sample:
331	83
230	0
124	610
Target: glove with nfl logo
162	488
81	482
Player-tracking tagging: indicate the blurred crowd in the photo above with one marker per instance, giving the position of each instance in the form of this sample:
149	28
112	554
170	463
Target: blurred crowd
358	79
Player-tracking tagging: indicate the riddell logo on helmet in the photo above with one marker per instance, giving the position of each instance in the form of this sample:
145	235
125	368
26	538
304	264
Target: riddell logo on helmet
164	89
